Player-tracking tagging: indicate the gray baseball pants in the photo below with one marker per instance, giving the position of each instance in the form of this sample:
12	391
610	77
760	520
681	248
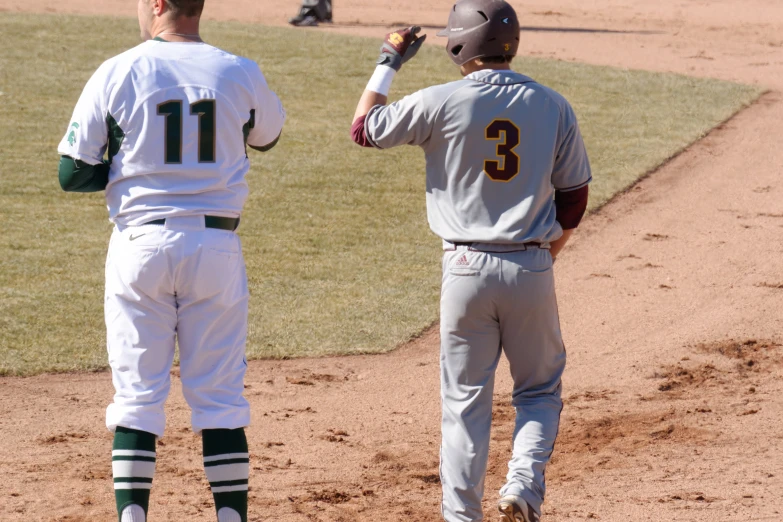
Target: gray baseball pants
491	302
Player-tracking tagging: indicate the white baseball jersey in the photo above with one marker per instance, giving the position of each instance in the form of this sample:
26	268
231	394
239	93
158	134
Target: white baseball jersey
497	146
175	119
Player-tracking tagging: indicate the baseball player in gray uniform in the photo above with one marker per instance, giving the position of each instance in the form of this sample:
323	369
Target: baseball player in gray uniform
175	116
507	177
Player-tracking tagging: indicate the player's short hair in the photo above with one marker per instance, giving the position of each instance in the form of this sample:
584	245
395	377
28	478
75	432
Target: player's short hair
497	59
186	7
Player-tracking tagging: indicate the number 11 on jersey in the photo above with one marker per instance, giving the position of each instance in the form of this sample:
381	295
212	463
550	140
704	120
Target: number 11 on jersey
172	144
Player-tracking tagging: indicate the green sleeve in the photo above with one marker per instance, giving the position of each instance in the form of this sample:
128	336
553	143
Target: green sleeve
78	176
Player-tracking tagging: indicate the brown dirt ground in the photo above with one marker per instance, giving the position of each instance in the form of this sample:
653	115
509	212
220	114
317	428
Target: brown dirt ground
670	301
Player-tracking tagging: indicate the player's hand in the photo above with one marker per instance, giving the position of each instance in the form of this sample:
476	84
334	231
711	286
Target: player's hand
400	46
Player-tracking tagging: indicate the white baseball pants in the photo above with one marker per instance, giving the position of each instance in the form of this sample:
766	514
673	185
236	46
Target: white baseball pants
493	302
178	283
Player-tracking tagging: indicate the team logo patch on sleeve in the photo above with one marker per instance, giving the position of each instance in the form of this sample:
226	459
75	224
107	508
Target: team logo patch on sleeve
72	134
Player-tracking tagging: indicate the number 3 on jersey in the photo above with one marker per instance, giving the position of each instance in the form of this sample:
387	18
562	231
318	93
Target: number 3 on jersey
172	145
508	134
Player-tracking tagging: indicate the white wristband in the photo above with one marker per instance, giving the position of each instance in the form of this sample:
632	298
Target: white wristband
381	80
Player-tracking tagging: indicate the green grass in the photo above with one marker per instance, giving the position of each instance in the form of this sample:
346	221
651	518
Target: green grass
339	254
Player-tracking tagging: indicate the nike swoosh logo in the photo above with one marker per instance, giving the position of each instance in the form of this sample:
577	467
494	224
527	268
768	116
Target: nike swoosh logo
134	238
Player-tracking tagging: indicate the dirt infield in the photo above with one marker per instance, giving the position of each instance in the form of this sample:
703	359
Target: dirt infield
670	300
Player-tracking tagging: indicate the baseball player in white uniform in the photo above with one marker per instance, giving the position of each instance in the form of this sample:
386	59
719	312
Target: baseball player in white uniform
174	116
507	177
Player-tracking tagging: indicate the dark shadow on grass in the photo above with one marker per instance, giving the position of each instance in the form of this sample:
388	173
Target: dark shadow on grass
526	28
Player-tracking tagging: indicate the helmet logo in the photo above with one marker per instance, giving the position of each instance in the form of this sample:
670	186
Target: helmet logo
507	47
396	39
505	21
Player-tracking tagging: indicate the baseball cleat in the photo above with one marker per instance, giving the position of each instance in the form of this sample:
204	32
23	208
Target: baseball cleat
515	509
307	21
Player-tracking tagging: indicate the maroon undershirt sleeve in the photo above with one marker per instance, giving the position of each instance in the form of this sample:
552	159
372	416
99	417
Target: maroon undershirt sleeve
357	132
570	206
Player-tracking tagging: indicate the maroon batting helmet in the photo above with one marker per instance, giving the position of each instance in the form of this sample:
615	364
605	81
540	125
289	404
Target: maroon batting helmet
481	28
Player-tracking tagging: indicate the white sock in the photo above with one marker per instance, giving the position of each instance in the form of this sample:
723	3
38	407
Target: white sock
226	515
133	513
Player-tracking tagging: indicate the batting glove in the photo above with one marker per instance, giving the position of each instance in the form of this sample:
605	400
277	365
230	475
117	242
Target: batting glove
400	46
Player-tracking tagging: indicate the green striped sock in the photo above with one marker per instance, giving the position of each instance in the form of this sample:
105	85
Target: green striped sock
133	466
227	464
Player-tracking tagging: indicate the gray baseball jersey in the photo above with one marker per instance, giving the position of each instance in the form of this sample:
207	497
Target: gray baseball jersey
497	145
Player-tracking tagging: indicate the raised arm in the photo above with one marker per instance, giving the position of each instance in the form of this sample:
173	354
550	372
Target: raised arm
399	47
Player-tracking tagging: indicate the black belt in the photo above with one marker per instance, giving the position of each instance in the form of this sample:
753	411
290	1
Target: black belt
222	223
470	244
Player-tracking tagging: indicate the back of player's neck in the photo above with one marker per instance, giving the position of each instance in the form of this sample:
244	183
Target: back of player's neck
178	30
475	68
495	67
